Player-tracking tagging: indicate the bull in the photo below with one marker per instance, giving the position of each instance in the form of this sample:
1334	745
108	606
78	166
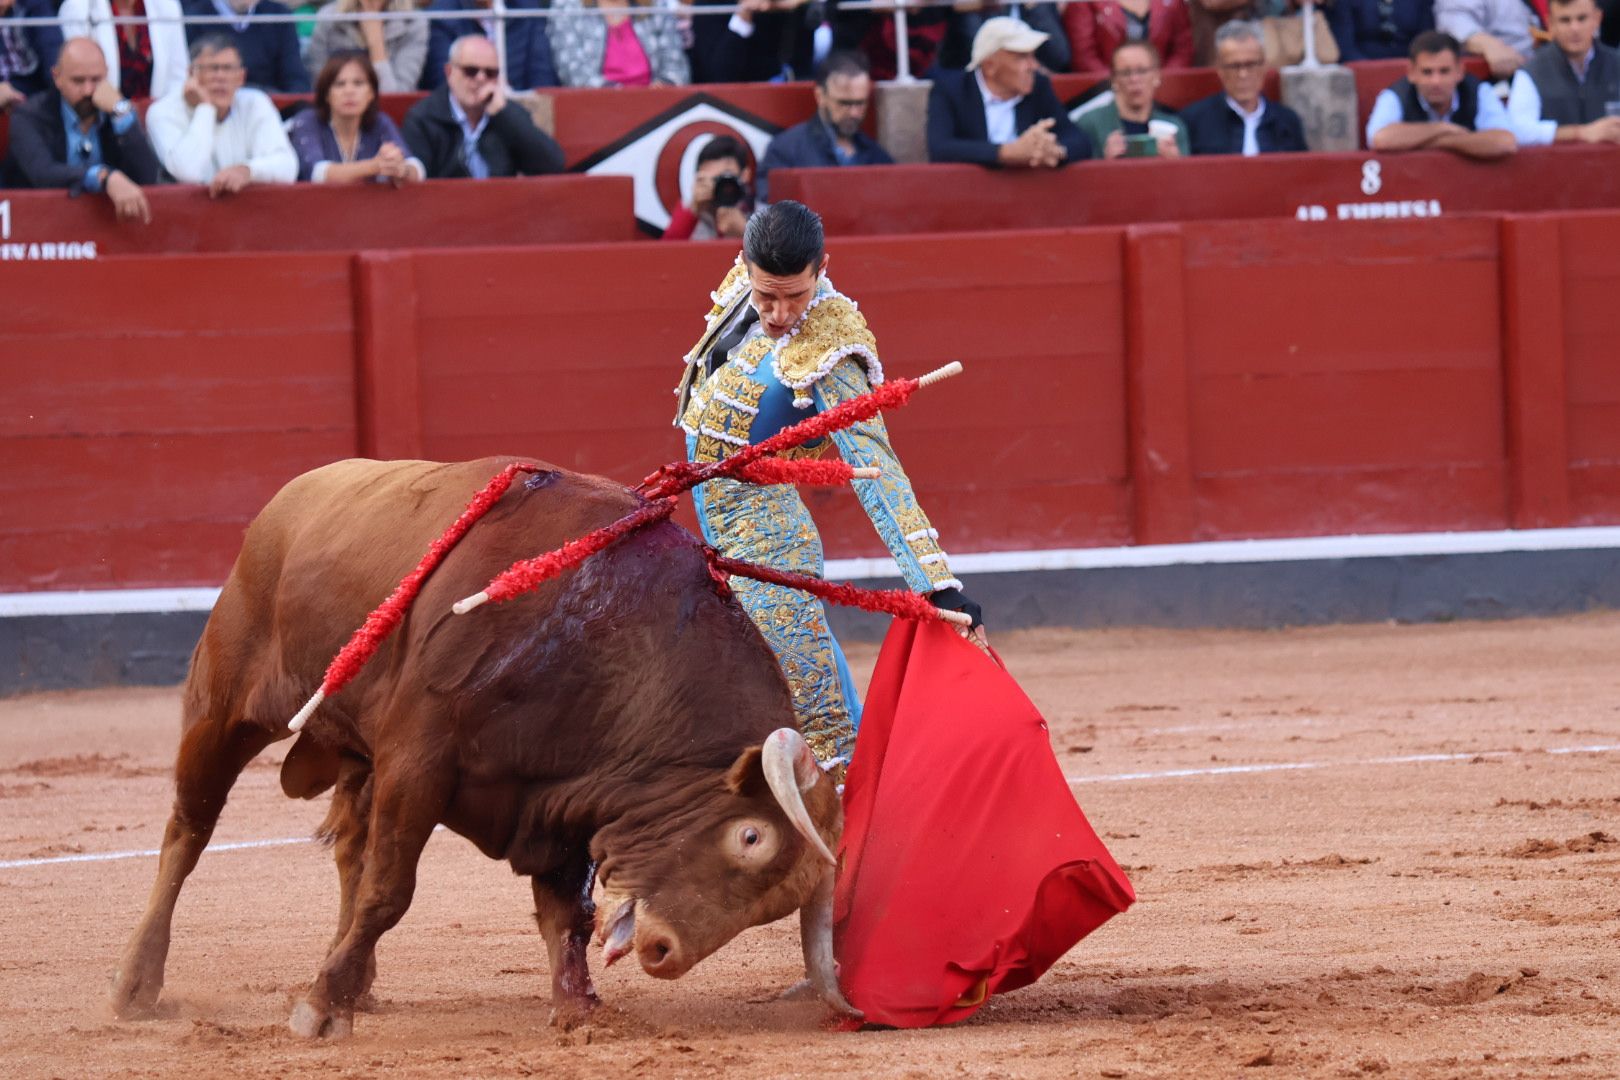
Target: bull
622	736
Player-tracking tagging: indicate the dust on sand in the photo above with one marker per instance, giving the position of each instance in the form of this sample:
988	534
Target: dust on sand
1359	850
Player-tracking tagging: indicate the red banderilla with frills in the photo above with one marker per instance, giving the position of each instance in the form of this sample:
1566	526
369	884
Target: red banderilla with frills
751	464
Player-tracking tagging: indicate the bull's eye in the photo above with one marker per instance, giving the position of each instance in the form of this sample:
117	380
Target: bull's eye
752	843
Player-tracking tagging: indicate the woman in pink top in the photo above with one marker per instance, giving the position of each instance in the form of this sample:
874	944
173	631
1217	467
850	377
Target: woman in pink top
621	43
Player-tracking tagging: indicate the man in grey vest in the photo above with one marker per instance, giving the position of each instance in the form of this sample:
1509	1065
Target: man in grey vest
1570	89
1439	106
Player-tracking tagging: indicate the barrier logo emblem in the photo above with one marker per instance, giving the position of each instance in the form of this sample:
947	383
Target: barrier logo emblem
660	154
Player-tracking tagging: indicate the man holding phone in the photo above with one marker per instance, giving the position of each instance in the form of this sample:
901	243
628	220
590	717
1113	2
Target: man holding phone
1133	124
468	127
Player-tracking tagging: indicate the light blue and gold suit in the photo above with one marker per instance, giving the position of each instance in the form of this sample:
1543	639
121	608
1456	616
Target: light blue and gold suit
761	387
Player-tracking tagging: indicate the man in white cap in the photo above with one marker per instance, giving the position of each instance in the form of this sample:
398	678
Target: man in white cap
1002	111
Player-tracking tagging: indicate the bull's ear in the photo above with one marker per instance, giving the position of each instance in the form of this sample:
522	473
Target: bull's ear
746	777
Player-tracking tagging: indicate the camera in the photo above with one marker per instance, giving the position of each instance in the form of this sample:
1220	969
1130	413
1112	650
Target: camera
728	190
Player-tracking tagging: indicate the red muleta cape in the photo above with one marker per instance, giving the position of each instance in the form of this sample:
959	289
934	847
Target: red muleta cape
966	867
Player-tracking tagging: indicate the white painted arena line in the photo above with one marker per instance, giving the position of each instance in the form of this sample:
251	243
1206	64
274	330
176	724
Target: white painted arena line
1284	549
1107	778
1301	766
110	856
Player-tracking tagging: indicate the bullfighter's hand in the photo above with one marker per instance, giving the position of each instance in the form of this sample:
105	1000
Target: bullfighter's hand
129	201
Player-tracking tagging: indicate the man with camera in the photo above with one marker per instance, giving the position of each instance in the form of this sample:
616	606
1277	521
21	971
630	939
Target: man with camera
721	196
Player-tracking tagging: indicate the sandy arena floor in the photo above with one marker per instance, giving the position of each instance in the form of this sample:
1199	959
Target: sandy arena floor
1363	850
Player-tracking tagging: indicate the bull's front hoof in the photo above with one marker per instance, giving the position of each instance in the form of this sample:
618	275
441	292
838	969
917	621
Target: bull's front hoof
311	1022
570	1013
803	990
135	991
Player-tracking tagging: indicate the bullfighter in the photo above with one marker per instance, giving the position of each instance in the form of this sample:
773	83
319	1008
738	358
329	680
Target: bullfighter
782	343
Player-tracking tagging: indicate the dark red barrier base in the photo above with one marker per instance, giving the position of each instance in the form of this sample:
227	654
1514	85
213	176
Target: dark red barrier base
1151	384
906	199
317	217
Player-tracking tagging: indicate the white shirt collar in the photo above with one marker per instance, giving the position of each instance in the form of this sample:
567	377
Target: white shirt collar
990	99
1248	117
461	118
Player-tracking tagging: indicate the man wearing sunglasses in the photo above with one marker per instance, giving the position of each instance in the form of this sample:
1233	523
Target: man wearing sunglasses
467	128
82	135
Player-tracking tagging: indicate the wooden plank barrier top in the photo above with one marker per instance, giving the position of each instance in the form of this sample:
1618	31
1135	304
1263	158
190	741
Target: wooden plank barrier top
906	199
48	225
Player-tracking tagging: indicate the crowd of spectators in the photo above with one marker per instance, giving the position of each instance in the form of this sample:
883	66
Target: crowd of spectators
211	120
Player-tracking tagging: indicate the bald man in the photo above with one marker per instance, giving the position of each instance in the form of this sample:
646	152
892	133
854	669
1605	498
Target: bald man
82	135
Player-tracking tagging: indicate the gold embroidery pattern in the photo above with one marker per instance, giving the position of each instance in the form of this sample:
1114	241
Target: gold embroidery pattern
832	330
889	500
723	428
772	526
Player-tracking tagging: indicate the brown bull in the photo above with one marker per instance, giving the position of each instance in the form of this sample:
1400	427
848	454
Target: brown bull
624	717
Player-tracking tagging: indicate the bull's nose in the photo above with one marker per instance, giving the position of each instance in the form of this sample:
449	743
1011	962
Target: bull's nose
660	957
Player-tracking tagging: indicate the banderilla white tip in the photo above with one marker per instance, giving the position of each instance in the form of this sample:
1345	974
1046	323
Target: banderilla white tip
478	599
298	721
960	618
865	472
940	374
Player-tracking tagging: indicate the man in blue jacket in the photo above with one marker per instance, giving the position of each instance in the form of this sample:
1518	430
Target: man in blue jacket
833	136
1240	119
528	49
1002	111
27	53
83	136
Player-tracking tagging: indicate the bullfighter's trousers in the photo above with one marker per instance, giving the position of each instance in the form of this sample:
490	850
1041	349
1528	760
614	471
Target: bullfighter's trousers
771	526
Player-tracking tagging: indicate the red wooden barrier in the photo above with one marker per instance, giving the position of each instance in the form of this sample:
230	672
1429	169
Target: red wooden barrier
1583	284
1152	384
1344	378
156	403
314	217
944	198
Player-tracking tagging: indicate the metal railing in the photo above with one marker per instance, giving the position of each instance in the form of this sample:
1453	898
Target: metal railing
500	13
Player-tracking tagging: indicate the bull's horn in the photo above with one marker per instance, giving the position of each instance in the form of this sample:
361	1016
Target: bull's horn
790	768
816	935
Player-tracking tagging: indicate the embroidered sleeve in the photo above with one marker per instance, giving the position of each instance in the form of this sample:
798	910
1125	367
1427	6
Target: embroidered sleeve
889	500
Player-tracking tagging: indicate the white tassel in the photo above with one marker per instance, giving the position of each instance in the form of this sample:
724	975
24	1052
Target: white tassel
466	604
303	715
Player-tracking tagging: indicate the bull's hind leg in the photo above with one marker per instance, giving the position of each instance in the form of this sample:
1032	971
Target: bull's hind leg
405	808
212	755
563	908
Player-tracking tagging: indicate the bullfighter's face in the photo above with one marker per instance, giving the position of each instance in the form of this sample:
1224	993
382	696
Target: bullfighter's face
677	880
782	299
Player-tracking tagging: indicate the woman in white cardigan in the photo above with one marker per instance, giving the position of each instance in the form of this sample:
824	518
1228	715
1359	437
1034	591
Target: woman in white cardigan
156	52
